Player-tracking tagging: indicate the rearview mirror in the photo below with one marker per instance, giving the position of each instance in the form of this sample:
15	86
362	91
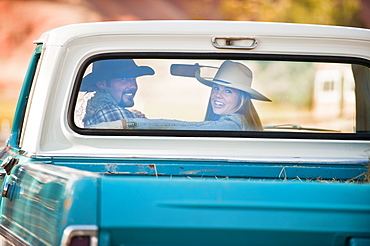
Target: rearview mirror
186	70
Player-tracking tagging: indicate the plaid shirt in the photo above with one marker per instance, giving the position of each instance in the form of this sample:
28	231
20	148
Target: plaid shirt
103	108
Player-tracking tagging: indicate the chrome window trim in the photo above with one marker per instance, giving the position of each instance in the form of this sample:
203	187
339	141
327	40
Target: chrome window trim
272	160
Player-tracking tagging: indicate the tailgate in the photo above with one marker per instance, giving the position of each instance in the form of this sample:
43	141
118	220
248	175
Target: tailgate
196	211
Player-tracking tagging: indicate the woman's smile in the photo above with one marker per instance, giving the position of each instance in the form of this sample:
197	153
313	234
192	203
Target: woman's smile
218	104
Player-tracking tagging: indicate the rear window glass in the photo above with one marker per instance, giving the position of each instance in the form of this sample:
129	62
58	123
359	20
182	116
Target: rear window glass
116	96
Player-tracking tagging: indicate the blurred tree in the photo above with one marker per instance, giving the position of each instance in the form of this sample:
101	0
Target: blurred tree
329	12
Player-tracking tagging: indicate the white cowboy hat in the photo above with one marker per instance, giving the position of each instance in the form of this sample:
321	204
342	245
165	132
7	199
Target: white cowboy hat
234	75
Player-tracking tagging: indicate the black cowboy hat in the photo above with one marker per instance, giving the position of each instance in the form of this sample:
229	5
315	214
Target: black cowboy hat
114	69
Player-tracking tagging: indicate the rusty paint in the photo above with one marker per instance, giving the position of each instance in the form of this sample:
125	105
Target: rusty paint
67	203
198	171
157	174
152	166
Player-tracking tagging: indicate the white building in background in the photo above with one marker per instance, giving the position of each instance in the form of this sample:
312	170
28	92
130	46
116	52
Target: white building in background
334	95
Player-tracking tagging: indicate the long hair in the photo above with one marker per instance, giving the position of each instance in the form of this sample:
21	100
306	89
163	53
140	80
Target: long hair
245	108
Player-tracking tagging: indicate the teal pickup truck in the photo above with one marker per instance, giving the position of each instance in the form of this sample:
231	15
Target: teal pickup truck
191	133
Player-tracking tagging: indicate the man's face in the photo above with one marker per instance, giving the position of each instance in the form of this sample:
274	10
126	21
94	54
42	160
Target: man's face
123	91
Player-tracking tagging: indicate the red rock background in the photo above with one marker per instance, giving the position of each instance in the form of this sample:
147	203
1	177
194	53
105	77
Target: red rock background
23	21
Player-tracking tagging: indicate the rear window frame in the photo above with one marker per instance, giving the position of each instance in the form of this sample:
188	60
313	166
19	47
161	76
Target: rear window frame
197	133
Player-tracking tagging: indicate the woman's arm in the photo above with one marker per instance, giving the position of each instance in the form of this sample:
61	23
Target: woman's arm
226	123
231	122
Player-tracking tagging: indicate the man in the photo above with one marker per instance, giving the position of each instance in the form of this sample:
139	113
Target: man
114	83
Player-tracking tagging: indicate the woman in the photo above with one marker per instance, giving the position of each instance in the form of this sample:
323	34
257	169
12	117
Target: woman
233	79
229	108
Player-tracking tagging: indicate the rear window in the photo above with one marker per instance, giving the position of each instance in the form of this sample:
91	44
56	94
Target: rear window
230	96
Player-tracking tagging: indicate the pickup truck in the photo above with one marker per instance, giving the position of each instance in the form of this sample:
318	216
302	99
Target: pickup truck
302	178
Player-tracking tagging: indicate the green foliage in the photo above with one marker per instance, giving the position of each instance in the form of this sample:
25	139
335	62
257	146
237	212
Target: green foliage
328	12
287	82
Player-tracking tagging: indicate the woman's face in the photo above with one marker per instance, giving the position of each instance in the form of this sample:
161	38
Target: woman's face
224	99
